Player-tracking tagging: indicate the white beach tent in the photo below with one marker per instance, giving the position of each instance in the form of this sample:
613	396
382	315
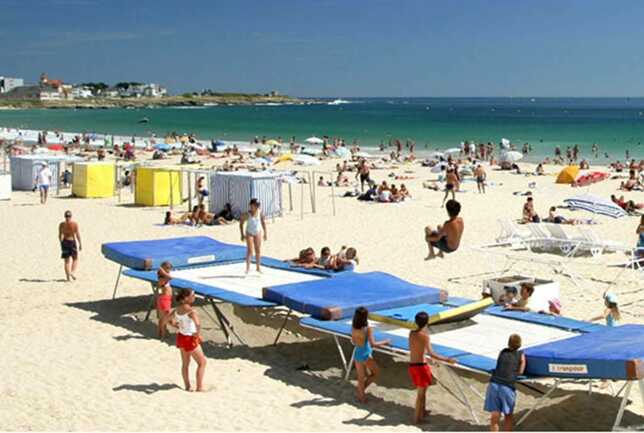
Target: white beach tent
595	204
306	160
314	140
452	151
237	188
5	186
25	167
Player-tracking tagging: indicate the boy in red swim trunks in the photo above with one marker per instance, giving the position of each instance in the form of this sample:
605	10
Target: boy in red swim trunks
164	300
419	370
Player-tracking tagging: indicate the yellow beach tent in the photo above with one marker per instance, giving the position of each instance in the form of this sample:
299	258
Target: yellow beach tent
157	186
568	174
93	179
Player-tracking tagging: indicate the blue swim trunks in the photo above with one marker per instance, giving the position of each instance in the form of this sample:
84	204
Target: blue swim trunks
500	398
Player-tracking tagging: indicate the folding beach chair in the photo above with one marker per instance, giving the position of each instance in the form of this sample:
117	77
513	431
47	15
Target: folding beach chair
597	245
568	245
511	233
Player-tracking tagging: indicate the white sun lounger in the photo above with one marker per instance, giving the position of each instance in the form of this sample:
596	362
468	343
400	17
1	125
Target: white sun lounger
511	233
569	245
598	245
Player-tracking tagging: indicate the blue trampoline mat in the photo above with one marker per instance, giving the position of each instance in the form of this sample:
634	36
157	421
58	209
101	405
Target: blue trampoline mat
337	298
181	252
612	353
343	328
545	319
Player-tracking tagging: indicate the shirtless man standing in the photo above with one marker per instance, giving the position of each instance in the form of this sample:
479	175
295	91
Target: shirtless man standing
480	176
68	235
451	185
447	237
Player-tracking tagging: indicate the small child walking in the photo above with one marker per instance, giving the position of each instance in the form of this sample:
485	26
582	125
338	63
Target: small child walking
419	371
363	340
501	395
254	233
188	338
164	299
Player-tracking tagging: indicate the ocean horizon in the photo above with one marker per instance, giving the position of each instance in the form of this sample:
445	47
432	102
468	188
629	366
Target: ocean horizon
615	124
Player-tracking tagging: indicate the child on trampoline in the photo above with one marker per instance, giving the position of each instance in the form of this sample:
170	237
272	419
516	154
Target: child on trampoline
363	340
164	298
188	338
419	371
500	396
254	233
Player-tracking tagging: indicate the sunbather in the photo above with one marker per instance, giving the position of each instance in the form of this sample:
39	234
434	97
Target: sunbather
446	238
529	214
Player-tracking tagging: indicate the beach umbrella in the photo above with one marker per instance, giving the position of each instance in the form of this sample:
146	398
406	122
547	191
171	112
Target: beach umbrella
264	148
273	142
452	151
311	151
595	204
505	143
314	140
511	156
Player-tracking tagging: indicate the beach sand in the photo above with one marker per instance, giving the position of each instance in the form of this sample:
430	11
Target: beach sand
74	359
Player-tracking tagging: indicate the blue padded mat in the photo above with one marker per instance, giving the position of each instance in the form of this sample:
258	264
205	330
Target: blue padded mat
337	298
180	252
545	319
466	359
612	353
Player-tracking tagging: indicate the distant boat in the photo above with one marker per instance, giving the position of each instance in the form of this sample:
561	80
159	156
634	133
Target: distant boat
338	102
144	120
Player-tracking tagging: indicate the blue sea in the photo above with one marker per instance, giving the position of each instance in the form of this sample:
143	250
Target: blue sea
614	124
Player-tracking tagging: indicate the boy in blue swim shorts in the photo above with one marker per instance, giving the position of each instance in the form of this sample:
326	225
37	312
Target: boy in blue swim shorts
501	394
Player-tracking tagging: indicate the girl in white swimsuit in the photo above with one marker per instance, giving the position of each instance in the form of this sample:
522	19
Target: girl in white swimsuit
255	231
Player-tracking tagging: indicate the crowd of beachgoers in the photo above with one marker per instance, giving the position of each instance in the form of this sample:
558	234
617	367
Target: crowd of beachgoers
394	176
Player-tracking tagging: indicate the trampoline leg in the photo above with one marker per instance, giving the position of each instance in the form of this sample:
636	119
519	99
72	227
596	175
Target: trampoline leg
282	327
153	301
341	352
350	365
459	385
622	405
538	403
222	325
118	277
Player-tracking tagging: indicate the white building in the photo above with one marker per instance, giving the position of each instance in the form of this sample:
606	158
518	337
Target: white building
81	93
7	83
50	94
150	90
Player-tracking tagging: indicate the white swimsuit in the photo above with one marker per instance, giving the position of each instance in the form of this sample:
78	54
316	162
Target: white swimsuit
186	325
254	224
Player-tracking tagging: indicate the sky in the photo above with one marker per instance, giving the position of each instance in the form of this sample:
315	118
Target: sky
334	48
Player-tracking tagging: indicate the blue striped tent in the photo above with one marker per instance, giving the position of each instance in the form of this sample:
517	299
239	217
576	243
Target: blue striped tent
237	188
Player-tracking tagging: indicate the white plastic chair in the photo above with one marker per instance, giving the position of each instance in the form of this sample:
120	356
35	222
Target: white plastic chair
511	233
569	245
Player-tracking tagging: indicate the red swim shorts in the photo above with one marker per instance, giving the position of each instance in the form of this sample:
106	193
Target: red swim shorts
164	303
188	342
421	375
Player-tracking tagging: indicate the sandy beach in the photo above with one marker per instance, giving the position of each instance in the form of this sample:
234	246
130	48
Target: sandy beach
74	359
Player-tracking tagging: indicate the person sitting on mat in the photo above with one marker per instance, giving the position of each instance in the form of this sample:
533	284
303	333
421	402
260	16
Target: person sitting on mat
188	338
345	260
306	258
364	342
447	237
254	233
419	371
523	304
164	299
501	395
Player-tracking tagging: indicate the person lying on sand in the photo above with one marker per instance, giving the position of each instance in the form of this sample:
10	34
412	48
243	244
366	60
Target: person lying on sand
447	237
183	219
558	219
